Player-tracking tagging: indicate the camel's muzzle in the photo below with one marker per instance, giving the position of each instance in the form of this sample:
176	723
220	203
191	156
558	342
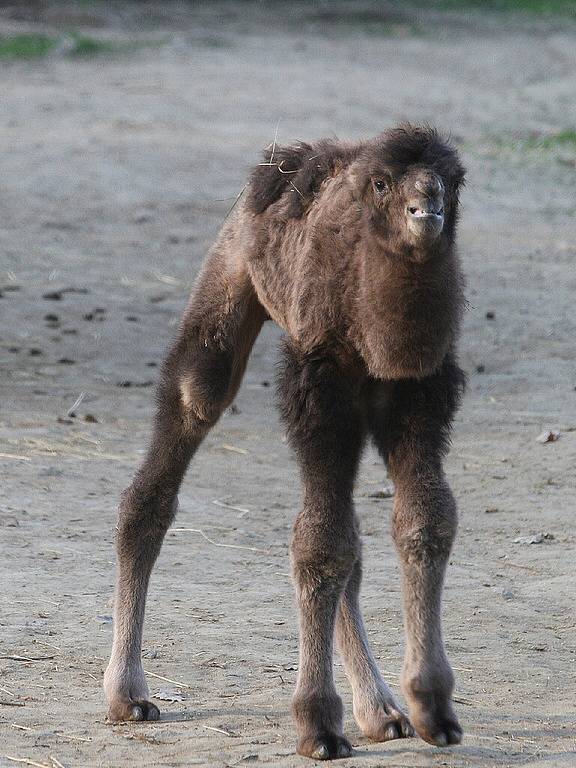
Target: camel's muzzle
425	211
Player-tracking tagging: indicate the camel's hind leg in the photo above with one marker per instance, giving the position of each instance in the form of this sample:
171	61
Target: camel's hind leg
200	378
375	708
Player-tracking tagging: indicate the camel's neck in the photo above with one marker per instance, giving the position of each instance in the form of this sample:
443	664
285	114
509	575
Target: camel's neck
406	314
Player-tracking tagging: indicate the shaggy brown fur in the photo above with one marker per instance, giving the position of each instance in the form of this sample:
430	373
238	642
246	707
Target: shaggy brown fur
350	249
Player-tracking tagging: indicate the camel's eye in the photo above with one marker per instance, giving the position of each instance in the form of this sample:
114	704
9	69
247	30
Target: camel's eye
381	186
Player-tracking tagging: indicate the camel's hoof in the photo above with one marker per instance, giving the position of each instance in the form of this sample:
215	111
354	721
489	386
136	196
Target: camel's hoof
133	711
329	746
385	724
448	732
440	729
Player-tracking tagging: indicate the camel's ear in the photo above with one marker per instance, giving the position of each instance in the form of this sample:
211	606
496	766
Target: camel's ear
458	176
456	180
361	183
451	167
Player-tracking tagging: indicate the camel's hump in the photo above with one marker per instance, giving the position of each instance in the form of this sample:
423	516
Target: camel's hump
296	171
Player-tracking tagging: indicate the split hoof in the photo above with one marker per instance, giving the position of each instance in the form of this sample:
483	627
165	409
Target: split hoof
133	711
385	724
329	746
439	726
443	734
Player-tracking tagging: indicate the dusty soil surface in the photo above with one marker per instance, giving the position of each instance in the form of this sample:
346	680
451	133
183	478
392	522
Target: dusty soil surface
117	171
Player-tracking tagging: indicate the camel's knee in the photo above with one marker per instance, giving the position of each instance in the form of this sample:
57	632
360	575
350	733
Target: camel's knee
425	521
321	553
202	397
204	388
196	384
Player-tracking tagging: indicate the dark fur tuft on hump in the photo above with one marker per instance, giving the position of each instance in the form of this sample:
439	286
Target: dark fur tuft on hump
296	171
267	183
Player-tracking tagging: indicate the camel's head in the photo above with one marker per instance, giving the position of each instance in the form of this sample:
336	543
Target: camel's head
409	180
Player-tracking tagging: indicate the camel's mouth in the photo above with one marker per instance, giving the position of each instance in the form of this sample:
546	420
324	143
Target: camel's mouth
423	213
425	219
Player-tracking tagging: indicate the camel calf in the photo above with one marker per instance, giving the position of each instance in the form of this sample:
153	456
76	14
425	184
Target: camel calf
350	248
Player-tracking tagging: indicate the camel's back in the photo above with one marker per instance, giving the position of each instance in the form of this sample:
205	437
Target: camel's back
301	266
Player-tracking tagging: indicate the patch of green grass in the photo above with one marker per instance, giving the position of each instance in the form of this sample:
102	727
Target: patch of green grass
539	148
565	138
375	22
89	46
26	46
537	7
73	44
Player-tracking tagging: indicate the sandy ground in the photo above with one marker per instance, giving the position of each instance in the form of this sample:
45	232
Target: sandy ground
116	174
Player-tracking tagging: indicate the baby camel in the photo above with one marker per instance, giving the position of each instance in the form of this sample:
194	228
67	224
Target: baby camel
350	248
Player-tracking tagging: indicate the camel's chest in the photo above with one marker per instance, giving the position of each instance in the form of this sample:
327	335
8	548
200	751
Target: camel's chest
406	339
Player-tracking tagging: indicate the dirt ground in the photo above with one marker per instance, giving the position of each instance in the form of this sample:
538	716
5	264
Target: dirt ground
117	170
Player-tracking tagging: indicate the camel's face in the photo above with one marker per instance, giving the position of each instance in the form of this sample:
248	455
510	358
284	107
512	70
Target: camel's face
410	207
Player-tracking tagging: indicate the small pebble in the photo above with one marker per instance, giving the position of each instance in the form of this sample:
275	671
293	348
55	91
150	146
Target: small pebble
548	436
537	538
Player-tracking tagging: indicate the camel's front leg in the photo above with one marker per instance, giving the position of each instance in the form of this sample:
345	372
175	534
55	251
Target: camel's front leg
414	440
320	408
424	528
375	707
